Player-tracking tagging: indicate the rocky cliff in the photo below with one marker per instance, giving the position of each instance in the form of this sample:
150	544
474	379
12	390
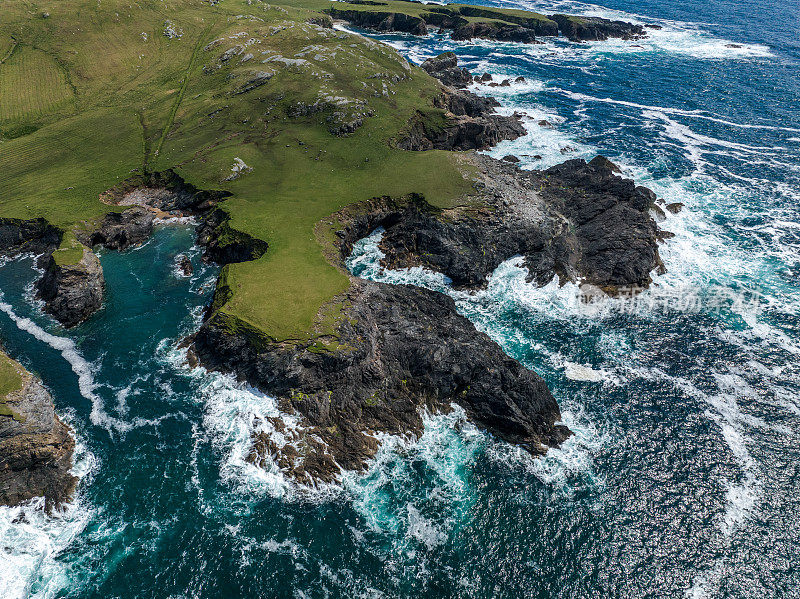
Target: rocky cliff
35	446
72	292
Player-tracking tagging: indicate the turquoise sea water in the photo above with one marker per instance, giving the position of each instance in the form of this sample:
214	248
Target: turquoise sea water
683	478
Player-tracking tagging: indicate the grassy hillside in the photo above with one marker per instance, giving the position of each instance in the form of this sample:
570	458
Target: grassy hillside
92	93
10	381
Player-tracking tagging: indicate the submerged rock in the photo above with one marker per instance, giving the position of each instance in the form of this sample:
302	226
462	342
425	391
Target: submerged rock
35	446
72	292
184	265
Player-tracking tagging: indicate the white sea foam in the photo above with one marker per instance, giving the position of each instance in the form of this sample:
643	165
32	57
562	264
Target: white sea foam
31	540
82	369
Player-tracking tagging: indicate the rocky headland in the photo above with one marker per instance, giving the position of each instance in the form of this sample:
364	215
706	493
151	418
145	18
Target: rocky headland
36	447
468	22
378	355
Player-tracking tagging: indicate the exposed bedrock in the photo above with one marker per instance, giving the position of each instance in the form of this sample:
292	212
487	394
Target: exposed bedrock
225	245
580	221
501	32
72	292
466	24
400	349
35	447
445	68
470	122
21	236
121	230
584	29
382	21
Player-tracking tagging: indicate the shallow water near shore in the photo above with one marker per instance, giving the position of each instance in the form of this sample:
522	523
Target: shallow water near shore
682	478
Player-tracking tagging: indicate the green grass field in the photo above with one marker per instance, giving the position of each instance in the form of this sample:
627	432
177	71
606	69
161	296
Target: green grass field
95	93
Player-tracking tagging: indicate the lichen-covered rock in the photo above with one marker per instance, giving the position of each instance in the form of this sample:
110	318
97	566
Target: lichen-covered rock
72	292
35	447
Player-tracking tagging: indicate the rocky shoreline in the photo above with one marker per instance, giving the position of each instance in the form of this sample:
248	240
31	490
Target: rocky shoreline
397	350
36	447
467	22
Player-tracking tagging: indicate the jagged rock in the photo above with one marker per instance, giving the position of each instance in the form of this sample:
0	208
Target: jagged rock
389	363
225	245
510	158
184	265
72	292
461	133
121	230
577	221
35	236
445	68
485	77
471	126
165	191
675	207
382	21
500	32
35	447
582	29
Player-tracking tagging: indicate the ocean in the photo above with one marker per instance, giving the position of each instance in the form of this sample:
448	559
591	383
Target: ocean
683	476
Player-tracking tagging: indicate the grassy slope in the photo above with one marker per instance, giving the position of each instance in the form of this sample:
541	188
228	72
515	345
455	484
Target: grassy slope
10	381
114	95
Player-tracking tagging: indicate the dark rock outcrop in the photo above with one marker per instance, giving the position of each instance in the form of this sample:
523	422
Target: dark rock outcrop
165	191
35	447
499	25
121	230
461	132
494	31
400	349
445	68
20	236
579	221
583	29
72	292
470	123
381	20
224	244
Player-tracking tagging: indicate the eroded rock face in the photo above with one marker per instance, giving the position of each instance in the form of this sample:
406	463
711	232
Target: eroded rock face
72	292
34	235
471	123
495	31
400	349
121	230
578	221
225	245
583	29
35	448
445	68
382	21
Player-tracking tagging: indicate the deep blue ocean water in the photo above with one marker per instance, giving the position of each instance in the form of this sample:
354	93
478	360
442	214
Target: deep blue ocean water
683	478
